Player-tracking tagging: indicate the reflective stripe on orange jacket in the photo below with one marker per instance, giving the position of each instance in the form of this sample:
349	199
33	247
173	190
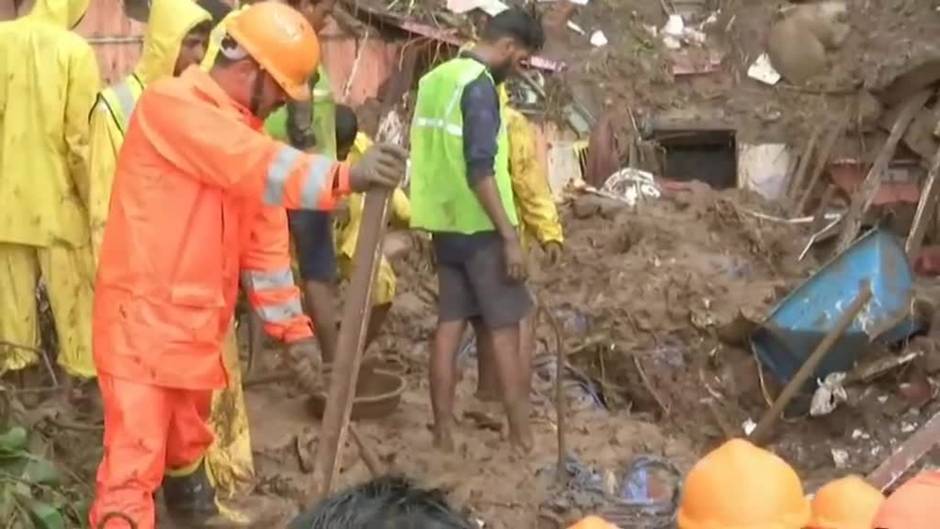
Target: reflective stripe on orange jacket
193	165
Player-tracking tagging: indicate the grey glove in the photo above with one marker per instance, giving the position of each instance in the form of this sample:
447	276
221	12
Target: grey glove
300	125
382	165
303	358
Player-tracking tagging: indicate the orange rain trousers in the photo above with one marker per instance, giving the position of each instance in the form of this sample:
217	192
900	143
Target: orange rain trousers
173	433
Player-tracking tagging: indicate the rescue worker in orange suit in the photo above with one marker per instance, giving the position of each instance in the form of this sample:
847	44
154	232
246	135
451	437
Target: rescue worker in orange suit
913	505
48	81
745	487
176	38
193	165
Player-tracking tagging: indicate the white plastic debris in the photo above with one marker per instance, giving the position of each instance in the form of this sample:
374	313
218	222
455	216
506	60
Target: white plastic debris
908	427
632	185
840	457
576	28
675	26
490	7
748	426
598	39
860	434
882	399
828	395
762	70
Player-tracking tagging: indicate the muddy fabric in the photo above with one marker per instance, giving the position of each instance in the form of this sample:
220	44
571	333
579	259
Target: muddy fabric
139	447
229	461
68	275
475	285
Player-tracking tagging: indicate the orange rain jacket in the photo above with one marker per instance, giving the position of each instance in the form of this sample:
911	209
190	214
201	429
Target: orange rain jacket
194	166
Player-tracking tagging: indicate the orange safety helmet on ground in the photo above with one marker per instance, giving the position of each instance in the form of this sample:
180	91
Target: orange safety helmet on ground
593	522
281	40
915	505
846	503
741	486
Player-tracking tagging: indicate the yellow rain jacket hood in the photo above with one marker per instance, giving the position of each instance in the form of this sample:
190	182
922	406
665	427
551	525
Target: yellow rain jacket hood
48	80
169	23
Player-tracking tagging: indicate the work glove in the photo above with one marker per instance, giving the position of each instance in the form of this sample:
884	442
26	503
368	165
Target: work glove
300	125
553	251
303	359
382	165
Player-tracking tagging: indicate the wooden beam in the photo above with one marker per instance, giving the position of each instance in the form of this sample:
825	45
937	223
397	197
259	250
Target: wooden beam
350	343
822	160
765	426
916	446
926	208
796	181
865	195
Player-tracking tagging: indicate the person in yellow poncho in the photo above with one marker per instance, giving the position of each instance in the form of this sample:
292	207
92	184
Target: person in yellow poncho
350	145
48	81
539	221
177	34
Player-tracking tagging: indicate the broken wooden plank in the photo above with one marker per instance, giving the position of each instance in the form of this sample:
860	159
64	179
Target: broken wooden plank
796	181
926	206
822	160
890	470
766	424
865	194
350	343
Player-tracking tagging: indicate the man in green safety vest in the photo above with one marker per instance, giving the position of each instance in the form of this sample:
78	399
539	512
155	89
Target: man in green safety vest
462	194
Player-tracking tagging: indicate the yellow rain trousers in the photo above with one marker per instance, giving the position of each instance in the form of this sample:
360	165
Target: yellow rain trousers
48	81
383	292
229	460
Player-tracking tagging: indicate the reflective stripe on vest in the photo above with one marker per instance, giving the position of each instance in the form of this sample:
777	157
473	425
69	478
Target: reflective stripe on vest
126	100
313	186
259	280
432	123
277	175
121	99
281	312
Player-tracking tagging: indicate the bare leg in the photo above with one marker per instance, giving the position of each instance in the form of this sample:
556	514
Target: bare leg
487	379
505	343
376	319
321	304
443	374
527	348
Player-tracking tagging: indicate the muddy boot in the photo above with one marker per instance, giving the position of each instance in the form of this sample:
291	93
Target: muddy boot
191	503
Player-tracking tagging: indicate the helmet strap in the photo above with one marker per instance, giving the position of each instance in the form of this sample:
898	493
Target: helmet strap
257	88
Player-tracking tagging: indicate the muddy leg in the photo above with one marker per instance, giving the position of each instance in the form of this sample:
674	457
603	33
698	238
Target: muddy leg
527	348
443	373
487	380
321	306
505	345
379	314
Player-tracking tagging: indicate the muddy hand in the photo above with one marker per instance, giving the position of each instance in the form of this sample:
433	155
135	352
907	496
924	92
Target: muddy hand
553	251
382	165
515	259
303	359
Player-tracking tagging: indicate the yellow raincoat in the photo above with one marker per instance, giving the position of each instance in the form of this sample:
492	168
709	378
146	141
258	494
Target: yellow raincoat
347	233
229	460
48	81
538	216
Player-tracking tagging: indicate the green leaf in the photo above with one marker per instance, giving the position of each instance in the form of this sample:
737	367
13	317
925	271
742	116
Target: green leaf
13	440
45	516
41	472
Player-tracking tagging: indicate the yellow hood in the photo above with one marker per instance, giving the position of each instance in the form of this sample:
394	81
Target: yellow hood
64	13
169	22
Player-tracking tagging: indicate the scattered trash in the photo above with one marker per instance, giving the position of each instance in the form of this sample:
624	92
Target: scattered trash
490	7
908	427
748	426
762	70
860	434
764	168
576	28
631	186
909	453
828	395
675	33
840	457
598	39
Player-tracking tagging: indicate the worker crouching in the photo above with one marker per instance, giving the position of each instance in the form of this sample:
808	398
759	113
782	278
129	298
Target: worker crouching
194	160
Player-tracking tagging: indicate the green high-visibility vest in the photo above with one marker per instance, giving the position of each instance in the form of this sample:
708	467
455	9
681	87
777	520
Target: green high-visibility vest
324	117
441	198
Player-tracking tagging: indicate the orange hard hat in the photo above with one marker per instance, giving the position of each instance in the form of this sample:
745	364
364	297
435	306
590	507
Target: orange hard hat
847	503
741	486
281	40
593	522
915	505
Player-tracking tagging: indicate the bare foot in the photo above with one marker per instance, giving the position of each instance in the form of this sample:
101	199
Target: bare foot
520	429
444	437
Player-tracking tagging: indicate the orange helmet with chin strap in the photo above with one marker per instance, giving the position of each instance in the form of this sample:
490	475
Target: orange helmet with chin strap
282	42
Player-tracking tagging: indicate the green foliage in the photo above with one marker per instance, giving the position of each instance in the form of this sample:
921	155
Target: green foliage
33	494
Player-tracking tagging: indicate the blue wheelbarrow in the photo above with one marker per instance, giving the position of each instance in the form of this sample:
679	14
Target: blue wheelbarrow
799	322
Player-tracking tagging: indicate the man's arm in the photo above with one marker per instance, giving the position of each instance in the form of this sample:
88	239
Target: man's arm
529	182
268	280
83	86
221	150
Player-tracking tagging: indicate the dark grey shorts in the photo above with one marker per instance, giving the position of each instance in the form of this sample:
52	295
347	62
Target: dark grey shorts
477	286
